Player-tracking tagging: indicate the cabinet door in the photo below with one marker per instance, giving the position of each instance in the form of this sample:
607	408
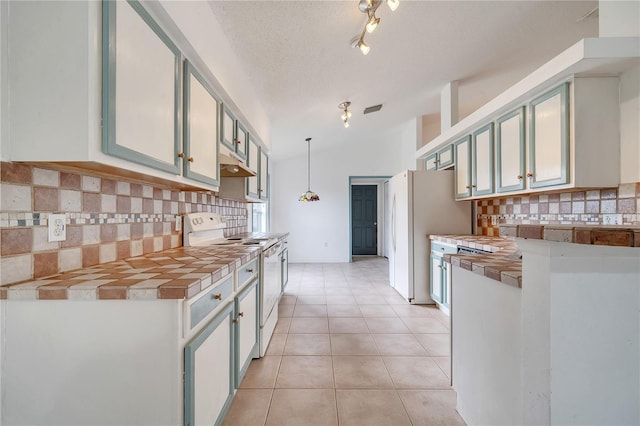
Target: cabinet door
253	160
201	115
431	162
549	139
510	148
242	140
446	283
140	88
246	329
436	278
462	150
445	157
285	268
228	131
264	176
482	182
208	378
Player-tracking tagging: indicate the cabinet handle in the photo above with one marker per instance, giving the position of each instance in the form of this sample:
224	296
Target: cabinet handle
467	187
181	155
529	174
520	177
250	270
473	186
237	141
237	319
190	159
217	296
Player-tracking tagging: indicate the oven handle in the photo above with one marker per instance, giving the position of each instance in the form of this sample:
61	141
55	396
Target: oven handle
273	250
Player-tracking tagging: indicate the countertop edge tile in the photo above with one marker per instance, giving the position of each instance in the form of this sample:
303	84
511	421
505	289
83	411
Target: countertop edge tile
188	259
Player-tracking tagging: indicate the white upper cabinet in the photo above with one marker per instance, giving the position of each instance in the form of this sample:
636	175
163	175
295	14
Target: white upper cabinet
253	161
482	150
549	139
510	145
571	141
558	128
116	96
141	88
201	107
462	150
264	176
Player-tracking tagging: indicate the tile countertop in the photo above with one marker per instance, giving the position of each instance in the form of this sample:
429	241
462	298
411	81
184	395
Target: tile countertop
498	265
503	263
178	273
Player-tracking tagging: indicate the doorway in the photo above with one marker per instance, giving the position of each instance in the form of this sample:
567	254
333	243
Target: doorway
364	220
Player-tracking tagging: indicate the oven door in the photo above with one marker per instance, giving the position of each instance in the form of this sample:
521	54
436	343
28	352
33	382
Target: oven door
271	280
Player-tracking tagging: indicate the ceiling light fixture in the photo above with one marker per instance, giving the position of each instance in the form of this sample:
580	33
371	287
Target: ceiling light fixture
346	115
309	195
369	7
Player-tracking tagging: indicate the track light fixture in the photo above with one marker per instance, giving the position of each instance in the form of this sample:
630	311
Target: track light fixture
344	106
369	7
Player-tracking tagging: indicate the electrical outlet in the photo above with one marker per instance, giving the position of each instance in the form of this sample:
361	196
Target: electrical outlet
57	227
178	223
612	219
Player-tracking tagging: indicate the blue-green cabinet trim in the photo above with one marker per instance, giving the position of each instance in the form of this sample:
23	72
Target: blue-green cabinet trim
442	164
208	302
563	92
256	163
520	112
433	282
229	143
189	365
264	192
241	365
431	161
188	71
475	191
109	42
242	134
466	140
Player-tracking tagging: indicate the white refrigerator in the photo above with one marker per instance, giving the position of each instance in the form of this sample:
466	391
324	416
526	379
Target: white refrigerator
420	203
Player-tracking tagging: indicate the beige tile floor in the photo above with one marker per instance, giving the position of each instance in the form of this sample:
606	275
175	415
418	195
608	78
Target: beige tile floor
349	350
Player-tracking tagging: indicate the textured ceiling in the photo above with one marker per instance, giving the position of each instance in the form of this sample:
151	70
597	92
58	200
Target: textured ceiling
301	64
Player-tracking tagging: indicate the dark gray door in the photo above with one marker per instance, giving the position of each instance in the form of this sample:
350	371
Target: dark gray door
364	217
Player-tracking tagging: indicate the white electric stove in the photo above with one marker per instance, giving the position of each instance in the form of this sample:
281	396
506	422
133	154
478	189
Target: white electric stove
207	229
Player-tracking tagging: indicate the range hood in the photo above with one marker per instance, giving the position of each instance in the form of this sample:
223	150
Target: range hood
230	167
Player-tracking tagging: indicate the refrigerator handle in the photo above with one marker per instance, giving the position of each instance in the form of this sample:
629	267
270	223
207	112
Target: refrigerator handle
393	223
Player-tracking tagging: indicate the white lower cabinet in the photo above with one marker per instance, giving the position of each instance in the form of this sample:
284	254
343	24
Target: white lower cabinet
440	285
143	362
208	379
246	329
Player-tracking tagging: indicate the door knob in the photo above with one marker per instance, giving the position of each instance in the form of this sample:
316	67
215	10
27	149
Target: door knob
375	223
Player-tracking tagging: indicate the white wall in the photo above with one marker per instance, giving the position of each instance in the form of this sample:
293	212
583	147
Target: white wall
319	231
200	26
3	128
619	18
630	126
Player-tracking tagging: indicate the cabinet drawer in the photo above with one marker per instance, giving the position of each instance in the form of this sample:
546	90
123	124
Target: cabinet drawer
210	300
443	248
247	271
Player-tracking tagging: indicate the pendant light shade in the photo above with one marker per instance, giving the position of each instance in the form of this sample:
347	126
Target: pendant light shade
309	195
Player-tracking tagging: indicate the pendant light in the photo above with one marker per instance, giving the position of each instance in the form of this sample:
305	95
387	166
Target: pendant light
309	195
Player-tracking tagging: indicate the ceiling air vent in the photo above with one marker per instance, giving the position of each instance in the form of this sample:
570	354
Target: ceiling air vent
372	109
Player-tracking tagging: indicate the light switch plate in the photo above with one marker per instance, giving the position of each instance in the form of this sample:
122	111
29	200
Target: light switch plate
57	227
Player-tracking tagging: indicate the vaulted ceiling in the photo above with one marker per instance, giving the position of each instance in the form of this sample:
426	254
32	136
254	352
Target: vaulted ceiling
299	59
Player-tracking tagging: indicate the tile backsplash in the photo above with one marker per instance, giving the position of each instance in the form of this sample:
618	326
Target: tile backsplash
580	207
107	219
